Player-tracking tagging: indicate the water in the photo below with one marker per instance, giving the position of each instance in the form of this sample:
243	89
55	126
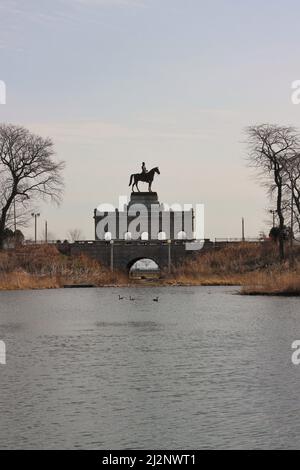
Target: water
202	368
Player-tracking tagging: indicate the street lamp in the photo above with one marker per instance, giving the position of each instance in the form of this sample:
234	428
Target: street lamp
273	212
243	229
169	242
111	255
35	215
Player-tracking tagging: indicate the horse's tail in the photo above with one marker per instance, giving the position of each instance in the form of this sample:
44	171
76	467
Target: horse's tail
130	180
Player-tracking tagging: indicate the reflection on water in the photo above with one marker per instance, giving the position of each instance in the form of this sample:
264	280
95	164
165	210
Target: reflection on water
201	368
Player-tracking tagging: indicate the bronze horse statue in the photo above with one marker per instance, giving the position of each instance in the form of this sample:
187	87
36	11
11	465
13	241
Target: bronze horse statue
145	177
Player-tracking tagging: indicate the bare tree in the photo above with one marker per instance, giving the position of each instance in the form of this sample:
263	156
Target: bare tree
271	149
292	193
75	234
27	171
19	215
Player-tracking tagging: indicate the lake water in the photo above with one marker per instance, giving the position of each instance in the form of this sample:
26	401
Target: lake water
201	368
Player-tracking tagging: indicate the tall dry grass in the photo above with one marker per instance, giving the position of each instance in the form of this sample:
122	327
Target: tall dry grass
253	266
230	265
43	266
274	282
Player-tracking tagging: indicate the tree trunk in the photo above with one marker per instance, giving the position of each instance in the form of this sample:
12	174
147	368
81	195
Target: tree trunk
2	228
281	218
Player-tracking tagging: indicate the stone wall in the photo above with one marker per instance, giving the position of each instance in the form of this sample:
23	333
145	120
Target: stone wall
121	255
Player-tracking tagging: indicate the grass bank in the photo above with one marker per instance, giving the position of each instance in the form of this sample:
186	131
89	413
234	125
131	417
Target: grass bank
252	266
274	282
43	267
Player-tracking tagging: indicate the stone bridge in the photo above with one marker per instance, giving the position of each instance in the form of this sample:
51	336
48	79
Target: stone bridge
121	255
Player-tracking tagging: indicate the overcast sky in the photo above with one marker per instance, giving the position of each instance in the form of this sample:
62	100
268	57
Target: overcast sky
169	82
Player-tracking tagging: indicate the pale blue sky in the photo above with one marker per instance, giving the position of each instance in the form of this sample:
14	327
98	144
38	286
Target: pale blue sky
170	82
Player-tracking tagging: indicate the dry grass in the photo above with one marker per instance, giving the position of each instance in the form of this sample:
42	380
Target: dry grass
22	280
253	266
228	266
43	267
273	283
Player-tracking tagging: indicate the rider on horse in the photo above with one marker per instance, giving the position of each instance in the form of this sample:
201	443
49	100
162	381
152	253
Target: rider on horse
145	176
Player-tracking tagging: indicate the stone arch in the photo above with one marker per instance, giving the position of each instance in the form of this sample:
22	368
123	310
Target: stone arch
139	258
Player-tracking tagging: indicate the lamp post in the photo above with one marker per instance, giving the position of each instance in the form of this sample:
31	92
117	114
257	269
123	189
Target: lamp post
273	212
111	255
15	216
291	231
35	215
243	229
169	256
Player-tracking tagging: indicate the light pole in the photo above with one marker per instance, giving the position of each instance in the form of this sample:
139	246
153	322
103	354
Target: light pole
243	229
35	215
273	212
111	255
292	230
169	256
15	216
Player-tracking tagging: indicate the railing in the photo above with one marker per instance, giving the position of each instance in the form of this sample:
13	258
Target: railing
131	242
143	242
238	240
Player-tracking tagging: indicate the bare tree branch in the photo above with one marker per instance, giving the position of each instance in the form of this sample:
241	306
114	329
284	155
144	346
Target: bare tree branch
28	171
273	151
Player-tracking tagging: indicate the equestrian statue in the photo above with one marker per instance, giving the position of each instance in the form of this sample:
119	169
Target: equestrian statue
145	176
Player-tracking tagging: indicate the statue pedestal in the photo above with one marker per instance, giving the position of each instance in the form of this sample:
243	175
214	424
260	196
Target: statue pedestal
145	198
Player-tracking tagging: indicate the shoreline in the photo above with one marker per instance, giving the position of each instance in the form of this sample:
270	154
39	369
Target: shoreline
120	286
254	270
240	289
140	285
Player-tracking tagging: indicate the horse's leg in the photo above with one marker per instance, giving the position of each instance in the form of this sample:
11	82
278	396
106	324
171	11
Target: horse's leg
134	183
137	187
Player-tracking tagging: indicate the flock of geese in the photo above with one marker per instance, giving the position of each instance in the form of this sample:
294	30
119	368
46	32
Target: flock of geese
132	298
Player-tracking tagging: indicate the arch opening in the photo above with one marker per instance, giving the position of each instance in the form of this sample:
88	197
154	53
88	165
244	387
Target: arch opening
143	269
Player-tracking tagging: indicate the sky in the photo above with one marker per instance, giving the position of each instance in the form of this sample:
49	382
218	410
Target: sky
173	83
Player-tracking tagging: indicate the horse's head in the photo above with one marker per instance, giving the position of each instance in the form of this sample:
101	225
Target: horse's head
156	169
